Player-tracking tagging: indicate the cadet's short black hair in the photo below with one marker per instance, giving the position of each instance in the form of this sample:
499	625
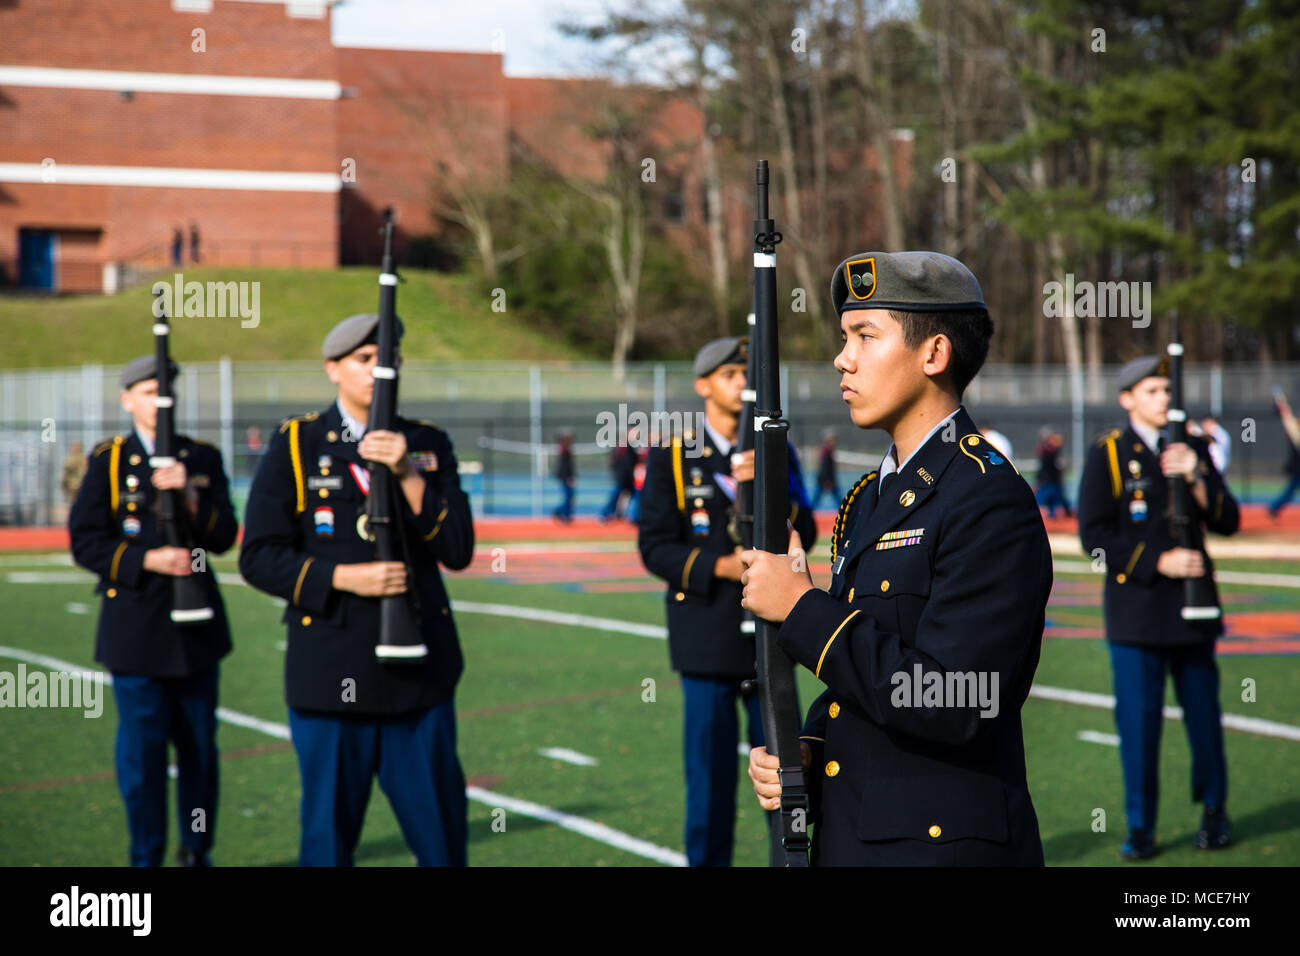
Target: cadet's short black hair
969	332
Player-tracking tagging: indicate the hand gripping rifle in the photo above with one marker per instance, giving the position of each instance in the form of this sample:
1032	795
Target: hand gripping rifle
780	703
189	596
399	620
1199	602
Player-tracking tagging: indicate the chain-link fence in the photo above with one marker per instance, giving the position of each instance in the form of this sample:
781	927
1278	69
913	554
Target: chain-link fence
504	420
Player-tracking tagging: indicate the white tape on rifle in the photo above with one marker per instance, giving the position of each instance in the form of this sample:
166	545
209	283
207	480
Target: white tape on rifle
751	319
758	422
383	371
161	328
1177	415
387	278
764	260
163	401
1175	348
161	462
748	395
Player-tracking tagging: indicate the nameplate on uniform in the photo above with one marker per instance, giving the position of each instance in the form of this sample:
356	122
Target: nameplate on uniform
199	481
838	565
700	491
900	539
333	482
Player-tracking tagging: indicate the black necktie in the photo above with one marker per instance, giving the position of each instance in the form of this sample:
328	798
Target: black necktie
885	482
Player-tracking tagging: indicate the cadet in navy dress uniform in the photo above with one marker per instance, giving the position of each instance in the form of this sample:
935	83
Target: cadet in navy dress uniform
352	716
1124	510
929	635
687	537
164	674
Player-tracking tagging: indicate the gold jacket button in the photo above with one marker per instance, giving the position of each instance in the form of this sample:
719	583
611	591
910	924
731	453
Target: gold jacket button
130	506
884	585
111	592
306	621
832	768
324	493
1121	577
679	596
834	710
935	830
446	610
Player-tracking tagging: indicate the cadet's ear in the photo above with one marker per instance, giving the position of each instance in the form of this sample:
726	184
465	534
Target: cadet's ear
332	370
938	355
1126	400
703	388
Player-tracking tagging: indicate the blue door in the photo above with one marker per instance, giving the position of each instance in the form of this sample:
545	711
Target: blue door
36	258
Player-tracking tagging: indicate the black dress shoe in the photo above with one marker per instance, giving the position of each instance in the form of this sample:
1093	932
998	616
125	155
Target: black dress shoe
1138	846
1214	833
187	857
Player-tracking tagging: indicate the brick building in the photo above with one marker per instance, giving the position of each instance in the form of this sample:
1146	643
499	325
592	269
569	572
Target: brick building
125	124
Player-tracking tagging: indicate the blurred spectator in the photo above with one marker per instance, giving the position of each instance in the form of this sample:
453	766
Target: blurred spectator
178	246
622	464
827	472
1292	467
1051	485
567	474
74	469
638	483
1219	442
194	241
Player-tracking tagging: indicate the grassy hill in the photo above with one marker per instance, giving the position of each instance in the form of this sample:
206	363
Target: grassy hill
447	317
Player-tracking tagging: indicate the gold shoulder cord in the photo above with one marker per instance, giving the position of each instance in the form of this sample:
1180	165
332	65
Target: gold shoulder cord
295	454
677	475
114	463
845	507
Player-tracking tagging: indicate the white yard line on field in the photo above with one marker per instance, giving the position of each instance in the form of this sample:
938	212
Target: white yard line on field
1097	737
580	825
568	756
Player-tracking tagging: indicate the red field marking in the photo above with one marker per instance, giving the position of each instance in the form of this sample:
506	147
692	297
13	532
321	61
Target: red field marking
1264	624
100	776
1254	521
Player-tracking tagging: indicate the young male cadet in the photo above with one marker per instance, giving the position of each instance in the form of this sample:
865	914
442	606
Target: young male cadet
353	716
1124	510
929	635
687	538
164	673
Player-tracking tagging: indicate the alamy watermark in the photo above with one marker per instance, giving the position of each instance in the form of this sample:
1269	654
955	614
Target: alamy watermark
210	300
1103	300
639	429
954	689
38	689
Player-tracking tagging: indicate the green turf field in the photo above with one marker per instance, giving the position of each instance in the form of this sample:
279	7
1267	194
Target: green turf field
530	685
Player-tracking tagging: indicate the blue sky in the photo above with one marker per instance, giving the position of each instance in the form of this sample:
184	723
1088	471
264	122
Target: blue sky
532	45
